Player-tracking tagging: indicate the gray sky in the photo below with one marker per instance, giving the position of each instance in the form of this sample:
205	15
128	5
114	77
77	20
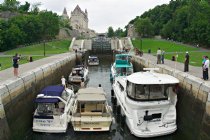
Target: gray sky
102	13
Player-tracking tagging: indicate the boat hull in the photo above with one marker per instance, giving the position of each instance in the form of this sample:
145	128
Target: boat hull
134	113
94	124
50	129
147	134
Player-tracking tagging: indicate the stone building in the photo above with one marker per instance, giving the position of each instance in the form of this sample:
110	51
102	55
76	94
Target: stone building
131	32
79	22
79	19
65	15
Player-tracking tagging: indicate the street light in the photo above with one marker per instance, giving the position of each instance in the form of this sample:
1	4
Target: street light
44	47
141	44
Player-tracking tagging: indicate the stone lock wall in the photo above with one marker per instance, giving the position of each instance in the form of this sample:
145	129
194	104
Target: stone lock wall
17	96
193	107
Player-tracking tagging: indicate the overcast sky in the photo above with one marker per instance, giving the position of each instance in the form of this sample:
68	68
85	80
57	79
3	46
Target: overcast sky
102	13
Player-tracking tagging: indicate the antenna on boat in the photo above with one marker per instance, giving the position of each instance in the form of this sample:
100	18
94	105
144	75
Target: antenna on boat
151	69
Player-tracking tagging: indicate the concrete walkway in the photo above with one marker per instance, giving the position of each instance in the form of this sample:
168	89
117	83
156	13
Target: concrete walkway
7	74
195	71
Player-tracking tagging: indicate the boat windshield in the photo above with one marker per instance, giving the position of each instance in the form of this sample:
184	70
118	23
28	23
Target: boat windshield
45	108
77	72
124	71
93	59
148	92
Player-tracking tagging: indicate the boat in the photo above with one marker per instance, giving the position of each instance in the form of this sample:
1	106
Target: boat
52	114
122	66
93	61
79	74
91	111
147	101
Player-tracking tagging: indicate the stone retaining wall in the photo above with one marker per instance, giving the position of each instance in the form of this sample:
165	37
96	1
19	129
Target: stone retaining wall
193	103
17	95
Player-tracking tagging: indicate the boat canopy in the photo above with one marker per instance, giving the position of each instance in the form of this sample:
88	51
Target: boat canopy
50	91
150	78
123	66
122	55
91	94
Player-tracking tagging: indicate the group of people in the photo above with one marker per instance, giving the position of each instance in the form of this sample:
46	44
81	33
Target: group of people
138	52
160	56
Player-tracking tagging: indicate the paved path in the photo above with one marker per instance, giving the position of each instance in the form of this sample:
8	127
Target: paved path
195	71
8	73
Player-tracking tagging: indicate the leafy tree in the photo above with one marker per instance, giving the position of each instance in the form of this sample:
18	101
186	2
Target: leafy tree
64	23
25	7
110	32
119	33
144	27
11	5
50	22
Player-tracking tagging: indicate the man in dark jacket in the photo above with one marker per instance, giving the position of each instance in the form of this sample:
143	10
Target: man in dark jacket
186	62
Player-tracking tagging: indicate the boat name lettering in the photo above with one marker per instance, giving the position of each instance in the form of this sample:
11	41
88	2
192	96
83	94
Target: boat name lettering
155	120
44	121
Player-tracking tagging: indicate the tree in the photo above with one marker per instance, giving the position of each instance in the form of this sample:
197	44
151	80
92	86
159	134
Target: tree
25	7
50	23
119	33
11	5
110	32
144	27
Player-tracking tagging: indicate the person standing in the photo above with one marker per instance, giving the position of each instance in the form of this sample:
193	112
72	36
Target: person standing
162	56
63	81
186	62
82	84
15	61
203	61
158	56
206	68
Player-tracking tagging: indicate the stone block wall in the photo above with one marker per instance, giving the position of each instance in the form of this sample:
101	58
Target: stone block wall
17	96
193	101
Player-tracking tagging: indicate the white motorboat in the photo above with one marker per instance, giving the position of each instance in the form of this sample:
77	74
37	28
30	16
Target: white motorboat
93	61
79	73
91	111
122	66
147	100
54	105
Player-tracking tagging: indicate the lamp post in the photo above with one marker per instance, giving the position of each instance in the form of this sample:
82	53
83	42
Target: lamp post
44	47
141	44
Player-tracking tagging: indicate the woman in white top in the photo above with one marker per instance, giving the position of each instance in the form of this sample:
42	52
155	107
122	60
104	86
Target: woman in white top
206	68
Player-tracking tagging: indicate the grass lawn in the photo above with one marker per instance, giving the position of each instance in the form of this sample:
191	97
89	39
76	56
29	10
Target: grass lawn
195	57
171	48
6	62
168	46
54	47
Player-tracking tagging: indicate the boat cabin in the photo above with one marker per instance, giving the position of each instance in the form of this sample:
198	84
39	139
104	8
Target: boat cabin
91	102
152	87
52	103
123	65
91	111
